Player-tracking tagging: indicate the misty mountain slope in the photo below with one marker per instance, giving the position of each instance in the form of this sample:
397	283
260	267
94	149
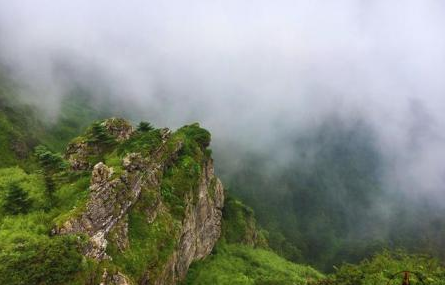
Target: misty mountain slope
322	197
23	126
242	255
329	201
16	126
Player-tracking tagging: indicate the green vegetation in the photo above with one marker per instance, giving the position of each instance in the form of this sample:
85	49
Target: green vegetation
150	244
320	211
145	127
144	142
28	254
25	191
237	264
16	200
240	226
37	259
242	256
380	269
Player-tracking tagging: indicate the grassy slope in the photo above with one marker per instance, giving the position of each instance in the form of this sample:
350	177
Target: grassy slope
242	256
236	264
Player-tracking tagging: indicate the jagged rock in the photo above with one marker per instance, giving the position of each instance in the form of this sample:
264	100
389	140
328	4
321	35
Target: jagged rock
119	128
77	155
109	202
79	150
100	174
121	234
134	161
201	229
114	279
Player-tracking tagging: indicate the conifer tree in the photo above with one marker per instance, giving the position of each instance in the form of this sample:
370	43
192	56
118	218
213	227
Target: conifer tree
16	200
99	134
145	127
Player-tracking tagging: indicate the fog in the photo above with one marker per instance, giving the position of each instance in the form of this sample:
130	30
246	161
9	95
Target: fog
253	72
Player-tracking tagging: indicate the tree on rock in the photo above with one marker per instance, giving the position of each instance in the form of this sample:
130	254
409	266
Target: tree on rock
145	127
98	134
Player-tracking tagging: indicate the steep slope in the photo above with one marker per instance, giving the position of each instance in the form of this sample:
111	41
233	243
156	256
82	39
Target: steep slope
242	256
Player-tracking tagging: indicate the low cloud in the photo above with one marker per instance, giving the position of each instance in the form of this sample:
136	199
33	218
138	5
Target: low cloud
253	72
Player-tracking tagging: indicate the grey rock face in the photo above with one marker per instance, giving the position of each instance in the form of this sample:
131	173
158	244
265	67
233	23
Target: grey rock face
77	155
201	228
119	128
109	202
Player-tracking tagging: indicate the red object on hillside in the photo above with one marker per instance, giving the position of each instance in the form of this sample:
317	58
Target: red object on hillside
406	278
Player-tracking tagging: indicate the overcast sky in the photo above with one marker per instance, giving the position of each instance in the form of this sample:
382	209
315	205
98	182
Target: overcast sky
252	72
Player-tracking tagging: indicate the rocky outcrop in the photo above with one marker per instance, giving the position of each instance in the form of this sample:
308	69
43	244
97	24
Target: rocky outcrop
201	228
81	149
110	200
118	128
112	197
114	279
77	155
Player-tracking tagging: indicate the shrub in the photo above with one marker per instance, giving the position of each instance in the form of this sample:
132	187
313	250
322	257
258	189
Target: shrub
382	267
145	127
26	258
16	200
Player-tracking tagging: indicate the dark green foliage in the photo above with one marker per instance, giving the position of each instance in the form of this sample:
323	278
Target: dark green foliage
98	134
16	200
180	179
50	162
239	224
183	175
145	127
196	133
32	259
382	267
32	184
143	142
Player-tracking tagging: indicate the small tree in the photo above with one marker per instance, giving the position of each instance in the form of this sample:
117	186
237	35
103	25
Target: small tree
16	200
51	162
99	134
145	127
